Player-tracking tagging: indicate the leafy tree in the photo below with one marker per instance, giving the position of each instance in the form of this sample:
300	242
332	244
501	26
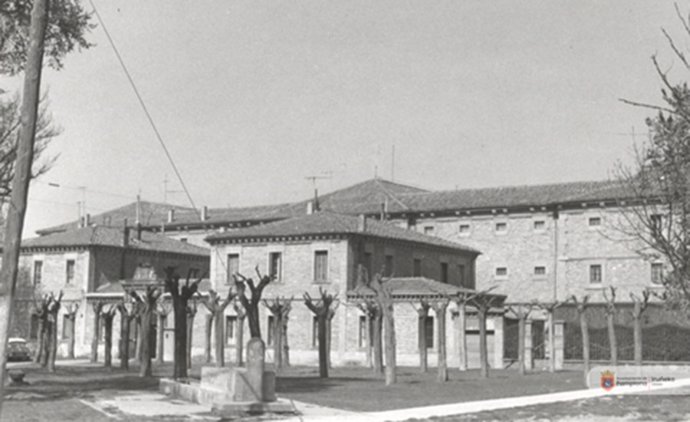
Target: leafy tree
68	24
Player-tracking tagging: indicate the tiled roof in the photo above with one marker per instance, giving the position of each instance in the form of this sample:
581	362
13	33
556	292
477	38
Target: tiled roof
415	286
325	222
113	236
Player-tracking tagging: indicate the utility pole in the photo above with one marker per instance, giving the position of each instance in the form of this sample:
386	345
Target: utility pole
22	176
314	178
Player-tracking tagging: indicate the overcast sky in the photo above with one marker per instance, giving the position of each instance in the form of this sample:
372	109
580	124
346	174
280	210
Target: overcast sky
253	96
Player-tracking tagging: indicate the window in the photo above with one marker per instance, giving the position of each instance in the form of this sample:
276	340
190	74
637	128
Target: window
464	229
461	275
657	273
429	333
230	323
233	266
38	272
656	221
501	272
501	227
69	271
388	266
315	332
275	261
429	230
595	273
539	225
183	239
594	221
540	271
362	342
417	267
444	272
321	266
67	327
270	328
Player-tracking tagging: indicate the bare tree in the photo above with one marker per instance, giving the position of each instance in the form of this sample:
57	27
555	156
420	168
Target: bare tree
610	323
374	325
521	312
128	311
41	312
192	308
422	315
239	333
147	301
71	316
216	309
483	302
329	337
97	307
280	308
162	311
440	307
550	309
107	317
639	306
581	307
251	304
321	309
180	293
53	310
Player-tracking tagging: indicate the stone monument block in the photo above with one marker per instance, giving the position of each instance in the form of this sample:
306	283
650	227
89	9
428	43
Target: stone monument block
256	357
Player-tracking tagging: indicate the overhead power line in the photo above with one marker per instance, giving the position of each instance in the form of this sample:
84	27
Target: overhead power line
143	106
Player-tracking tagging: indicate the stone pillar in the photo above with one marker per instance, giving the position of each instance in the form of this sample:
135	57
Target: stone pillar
498	341
256	356
529	359
559	343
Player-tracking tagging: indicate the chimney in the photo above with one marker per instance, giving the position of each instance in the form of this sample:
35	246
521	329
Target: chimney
87	220
138	209
125	235
362	223
171	215
204	213
310	208
139	232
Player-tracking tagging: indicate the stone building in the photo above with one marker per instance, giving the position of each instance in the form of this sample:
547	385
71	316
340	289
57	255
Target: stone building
83	263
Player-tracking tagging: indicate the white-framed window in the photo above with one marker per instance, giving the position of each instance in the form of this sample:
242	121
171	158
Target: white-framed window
69	271
233	266
275	265
464	229
657	275
501	272
596	274
594	222
38	272
321	266
539	225
501	227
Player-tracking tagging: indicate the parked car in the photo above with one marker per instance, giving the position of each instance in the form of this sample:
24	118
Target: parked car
18	349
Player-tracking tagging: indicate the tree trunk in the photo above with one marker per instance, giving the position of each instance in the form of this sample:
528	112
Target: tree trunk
421	329
160	354
220	340
253	321
20	181
462	337
483	353
138	335
278	342
552	340
637	332
584	329
442	362
72	332
190	331
145	338
286	346
323	363
96	332
521	344
390	345
613	346
40	338
52	352
208	333
124	341
108	346
368	328
180	353
378	343
239	342
47	337
328	340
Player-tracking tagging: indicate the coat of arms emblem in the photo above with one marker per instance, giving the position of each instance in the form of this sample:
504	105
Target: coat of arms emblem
607	380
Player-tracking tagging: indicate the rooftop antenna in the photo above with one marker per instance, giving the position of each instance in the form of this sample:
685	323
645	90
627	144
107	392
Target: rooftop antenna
314	178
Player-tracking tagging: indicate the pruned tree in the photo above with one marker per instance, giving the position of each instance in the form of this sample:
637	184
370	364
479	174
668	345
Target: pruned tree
581	308
192	308
147	301
107	316
329	323
97	307
162	311
41	312
550	308
440	307
320	309
280	308
180	293
239	333
251	304
422	315
461	327
128	312
215	305
610	309
374	325
521	311
53	310
483	302
71	317
640	304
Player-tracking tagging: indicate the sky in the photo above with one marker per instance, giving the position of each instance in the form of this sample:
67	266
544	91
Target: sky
252	97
